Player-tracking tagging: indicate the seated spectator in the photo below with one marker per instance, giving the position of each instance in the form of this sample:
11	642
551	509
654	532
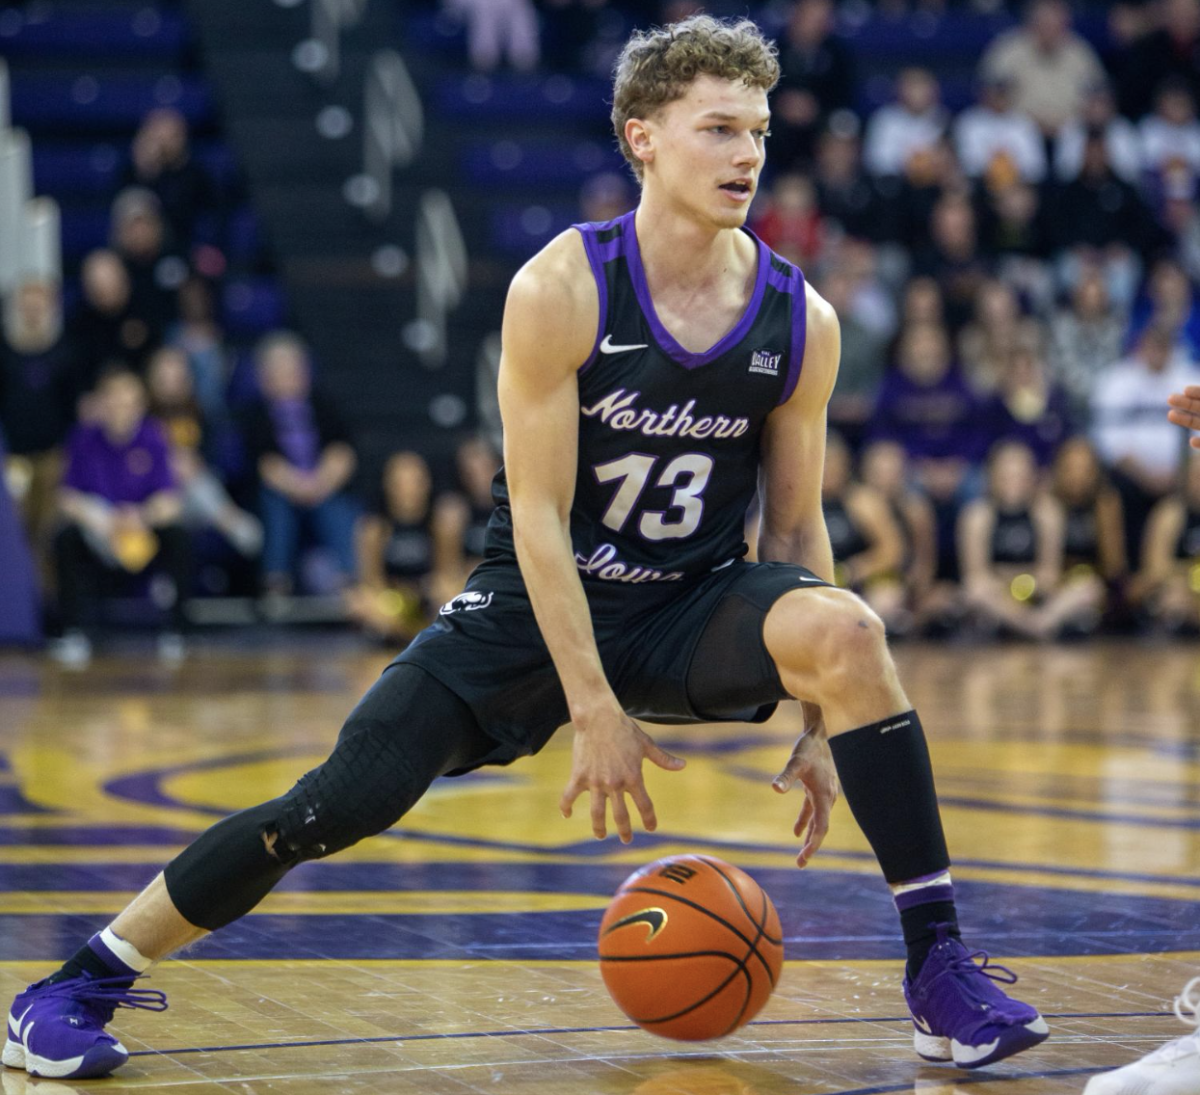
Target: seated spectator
866	542
953	257
1027	407
162	163
1101	221
791	223
928	602
848	201
41	378
106	327
1010	543
1167	587
922	303
206	503
909	201
499	30
155	275
1049	67
862	361
912	125
818	79
1085	338
985	343
1171	304
305	460
121	506
1170	49
1093	520
397	553
1121	140
1181	217
463	515
199	336
1140	447
925	405
996	142
1170	136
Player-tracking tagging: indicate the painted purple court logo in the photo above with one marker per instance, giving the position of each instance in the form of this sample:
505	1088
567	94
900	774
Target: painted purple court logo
466	602
765	362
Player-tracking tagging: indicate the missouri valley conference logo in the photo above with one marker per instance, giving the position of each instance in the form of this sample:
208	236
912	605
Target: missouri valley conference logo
765	362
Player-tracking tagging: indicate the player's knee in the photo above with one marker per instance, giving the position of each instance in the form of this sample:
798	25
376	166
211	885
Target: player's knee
854	643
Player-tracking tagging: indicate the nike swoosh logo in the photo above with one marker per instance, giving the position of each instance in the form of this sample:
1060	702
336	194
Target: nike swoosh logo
922	1025
655	919
607	347
811	580
15	1026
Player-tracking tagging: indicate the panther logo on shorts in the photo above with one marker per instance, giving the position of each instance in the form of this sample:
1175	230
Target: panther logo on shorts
466	602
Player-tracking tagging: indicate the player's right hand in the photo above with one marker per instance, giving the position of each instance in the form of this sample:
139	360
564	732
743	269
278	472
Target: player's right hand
607	763
1185	411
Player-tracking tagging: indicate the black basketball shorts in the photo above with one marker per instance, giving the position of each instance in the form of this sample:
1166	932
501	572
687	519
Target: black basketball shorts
486	647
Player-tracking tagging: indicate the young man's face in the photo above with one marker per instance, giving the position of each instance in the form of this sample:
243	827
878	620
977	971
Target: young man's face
705	151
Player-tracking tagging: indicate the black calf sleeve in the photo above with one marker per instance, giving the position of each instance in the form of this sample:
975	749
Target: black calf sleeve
887	778
408	730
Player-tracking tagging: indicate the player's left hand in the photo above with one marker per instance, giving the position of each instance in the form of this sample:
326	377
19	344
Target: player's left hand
811	763
1185	410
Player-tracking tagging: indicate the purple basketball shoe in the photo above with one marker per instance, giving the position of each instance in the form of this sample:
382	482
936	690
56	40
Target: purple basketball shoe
961	1015
57	1030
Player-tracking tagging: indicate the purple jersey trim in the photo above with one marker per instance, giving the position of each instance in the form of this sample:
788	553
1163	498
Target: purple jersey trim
662	336
799	335
596	260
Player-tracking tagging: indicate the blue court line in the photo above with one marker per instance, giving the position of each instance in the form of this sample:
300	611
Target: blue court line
629	1026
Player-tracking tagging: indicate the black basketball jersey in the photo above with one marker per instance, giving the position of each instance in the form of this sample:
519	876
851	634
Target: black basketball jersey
1014	538
845	537
669	439
1188	544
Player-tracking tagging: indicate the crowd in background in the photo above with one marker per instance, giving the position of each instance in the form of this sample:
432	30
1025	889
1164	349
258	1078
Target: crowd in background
1017	293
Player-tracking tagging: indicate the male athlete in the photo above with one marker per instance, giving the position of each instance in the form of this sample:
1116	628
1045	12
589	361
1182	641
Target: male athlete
656	370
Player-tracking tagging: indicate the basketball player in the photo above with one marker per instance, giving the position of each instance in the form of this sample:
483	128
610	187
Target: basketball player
1173	1068
656	369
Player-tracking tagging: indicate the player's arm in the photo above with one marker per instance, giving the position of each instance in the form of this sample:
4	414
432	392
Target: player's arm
550	321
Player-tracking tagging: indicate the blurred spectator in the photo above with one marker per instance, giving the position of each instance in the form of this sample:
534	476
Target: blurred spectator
818	79
885	468
206	503
1011	547
952	257
1171	49
139	237
463	515
498	29
305	461
1085	338
121	506
198	334
1048	65
1094	522
1099	116
847	199
996	142
1014	233
791	223
1167	587
867	546
910	200
1171	304
1099	220
41	378
861	368
1170	137
925	405
106	327
912	125
1134	439
1181	215
1027	407
922	303
984	344
162	163
396	553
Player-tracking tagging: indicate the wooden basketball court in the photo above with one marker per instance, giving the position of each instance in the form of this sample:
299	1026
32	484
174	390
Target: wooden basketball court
456	953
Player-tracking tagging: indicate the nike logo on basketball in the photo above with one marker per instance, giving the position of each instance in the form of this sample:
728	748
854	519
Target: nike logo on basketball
607	347
655	919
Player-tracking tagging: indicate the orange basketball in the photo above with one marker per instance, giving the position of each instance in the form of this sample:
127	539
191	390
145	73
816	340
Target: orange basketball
690	948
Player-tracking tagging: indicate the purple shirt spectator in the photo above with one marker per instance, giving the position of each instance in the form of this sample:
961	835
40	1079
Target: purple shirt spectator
296	431
120	473
930	421
1043	433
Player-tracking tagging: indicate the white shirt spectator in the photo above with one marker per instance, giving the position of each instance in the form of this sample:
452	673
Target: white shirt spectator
895	133
1127	413
1166	143
498	28
982	134
1048	85
1121	140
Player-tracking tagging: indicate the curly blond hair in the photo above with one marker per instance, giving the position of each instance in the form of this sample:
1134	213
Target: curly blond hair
657	66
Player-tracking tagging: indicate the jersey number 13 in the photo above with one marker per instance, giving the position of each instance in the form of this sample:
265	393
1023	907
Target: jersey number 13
688	474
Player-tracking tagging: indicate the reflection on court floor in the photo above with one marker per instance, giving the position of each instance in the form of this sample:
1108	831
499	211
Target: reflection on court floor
457	953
